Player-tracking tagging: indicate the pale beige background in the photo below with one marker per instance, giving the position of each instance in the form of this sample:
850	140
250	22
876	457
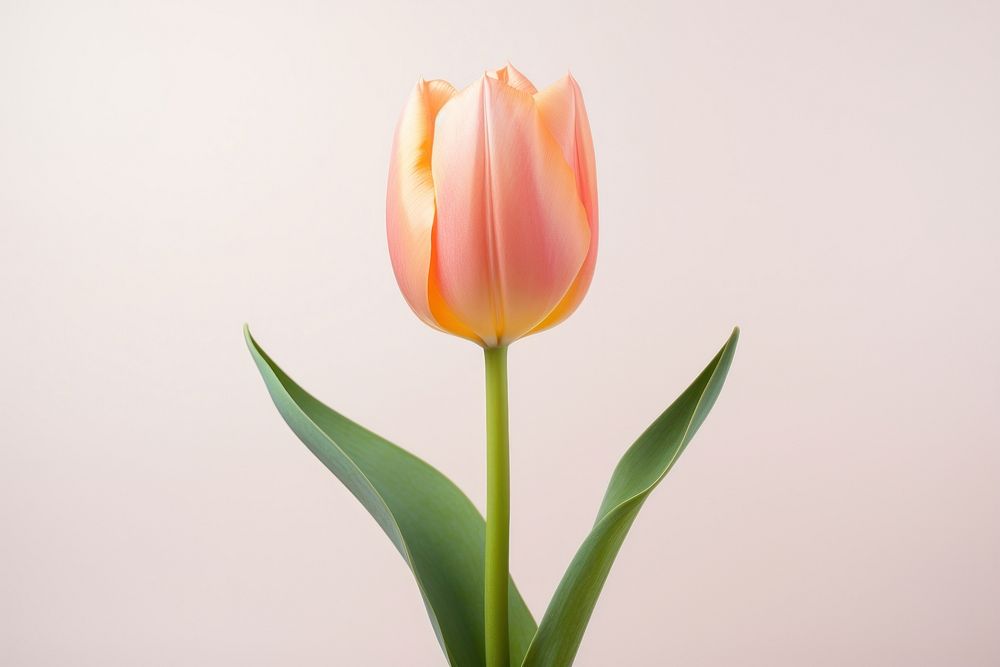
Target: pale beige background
824	174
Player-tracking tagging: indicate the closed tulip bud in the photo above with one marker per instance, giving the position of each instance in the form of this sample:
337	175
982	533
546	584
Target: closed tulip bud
491	209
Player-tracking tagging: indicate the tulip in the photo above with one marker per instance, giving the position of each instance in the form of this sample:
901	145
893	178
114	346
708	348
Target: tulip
491	214
491	210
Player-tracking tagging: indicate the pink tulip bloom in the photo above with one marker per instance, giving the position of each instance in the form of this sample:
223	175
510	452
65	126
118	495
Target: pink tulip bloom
491	210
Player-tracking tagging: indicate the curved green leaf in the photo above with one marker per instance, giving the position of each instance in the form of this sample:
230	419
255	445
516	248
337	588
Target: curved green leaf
637	474
435	527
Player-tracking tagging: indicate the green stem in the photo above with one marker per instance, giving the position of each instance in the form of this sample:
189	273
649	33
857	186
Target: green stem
497	508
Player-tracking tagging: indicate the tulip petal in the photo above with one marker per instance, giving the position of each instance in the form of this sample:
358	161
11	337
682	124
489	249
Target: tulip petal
410	199
562	109
511	233
513	78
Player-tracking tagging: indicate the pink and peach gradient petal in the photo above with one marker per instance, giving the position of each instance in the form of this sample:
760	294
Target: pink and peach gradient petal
511	233
410	206
513	78
562	109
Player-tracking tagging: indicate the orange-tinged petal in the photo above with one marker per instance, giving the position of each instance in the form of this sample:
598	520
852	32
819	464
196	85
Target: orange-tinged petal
410	196
511	233
562	109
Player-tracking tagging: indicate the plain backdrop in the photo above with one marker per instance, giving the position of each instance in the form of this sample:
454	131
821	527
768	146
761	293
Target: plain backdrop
824	174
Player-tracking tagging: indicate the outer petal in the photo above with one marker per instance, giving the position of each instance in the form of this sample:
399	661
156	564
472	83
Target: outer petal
409	203
511	233
562	109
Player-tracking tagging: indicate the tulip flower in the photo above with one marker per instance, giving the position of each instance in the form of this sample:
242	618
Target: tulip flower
491	210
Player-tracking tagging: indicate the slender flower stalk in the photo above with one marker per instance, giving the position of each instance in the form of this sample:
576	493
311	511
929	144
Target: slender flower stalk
497	508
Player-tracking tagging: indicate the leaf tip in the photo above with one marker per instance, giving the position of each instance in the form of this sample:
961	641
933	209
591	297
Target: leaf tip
248	337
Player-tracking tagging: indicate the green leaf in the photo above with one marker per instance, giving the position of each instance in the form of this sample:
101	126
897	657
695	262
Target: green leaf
435	526
638	473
